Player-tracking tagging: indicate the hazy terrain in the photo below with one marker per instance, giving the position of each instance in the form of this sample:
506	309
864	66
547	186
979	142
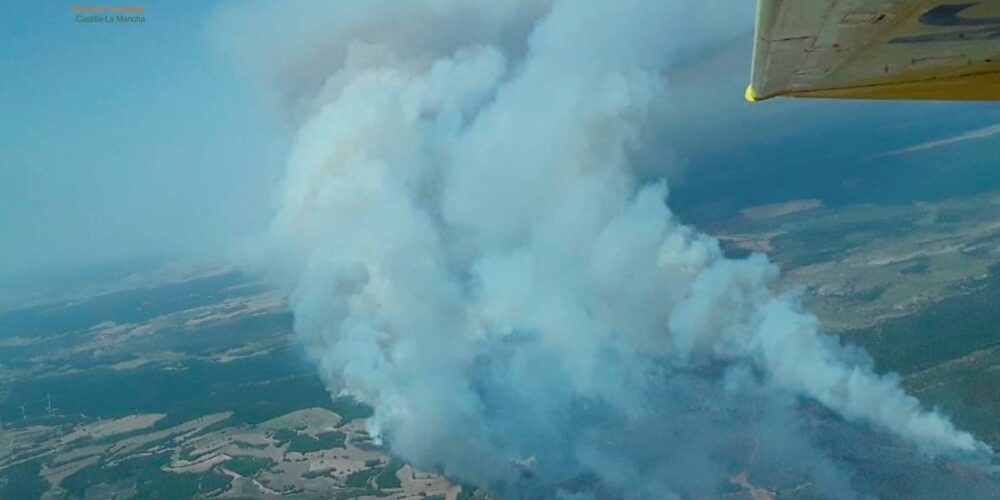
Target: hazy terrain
183	389
196	387
917	285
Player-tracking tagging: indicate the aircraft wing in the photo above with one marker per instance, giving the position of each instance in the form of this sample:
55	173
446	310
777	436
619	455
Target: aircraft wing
877	49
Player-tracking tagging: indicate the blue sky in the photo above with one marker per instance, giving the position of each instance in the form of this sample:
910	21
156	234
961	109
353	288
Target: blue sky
141	141
124	141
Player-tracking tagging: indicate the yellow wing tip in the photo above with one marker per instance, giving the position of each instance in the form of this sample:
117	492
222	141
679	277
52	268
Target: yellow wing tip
749	95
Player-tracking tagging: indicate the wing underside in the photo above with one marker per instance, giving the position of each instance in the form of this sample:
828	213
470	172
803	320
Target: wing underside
877	49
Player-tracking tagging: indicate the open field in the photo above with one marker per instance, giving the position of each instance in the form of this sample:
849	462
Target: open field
187	390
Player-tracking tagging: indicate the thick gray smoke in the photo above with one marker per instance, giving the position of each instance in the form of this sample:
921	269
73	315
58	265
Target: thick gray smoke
472	255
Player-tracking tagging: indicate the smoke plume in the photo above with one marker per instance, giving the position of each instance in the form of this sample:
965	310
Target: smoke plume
472	255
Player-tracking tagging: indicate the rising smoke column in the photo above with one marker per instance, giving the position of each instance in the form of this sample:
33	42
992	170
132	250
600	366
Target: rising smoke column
472	255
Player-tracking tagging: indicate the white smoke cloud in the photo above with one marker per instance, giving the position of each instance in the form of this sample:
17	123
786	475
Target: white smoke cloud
472	254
